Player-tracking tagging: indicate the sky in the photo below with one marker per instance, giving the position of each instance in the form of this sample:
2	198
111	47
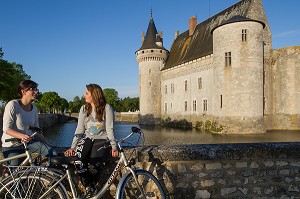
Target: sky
65	44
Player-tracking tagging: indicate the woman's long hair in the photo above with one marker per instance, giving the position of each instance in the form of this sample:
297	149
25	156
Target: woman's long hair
99	101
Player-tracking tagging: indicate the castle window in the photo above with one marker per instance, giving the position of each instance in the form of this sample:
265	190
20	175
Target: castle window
204	105
200	83
166	107
166	89
194	105
149	70
227	59
185	105
221	101
244	35
185	85
142	51
149	83
152	51
172	88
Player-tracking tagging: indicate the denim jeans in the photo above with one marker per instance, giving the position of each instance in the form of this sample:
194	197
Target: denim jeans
33	146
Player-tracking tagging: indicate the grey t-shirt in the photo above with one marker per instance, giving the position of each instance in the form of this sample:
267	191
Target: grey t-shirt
92	128
16	118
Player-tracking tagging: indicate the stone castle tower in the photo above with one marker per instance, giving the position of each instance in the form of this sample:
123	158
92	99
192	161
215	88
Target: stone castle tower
221	75
238	78
151	58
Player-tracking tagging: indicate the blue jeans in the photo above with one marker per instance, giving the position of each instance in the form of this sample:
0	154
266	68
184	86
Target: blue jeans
33	146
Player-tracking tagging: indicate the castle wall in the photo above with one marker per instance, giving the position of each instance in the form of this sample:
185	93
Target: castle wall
185	99
284	89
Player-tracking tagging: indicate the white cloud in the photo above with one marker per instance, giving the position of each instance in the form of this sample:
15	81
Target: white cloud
287	33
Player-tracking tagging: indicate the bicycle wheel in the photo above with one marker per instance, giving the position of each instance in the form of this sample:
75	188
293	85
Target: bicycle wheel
150	187
30	185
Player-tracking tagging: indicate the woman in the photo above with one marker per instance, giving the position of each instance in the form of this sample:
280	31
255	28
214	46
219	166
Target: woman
18	115
95	126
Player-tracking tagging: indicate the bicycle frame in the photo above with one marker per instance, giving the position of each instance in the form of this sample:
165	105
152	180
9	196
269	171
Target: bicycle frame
59	175
122	163
26	161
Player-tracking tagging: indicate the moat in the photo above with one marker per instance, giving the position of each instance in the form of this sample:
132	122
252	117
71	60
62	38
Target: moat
62	135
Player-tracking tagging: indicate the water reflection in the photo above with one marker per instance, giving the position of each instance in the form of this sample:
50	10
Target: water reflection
62	135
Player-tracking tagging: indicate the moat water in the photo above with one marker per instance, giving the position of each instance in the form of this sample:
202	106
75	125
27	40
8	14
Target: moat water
62	135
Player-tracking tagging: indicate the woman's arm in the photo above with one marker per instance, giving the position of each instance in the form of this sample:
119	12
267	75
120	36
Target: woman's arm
109	123
9	119
80	129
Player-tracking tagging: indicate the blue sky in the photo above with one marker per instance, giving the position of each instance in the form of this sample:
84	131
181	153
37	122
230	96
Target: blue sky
65	44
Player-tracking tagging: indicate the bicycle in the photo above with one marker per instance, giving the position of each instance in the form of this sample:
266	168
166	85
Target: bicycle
16	177
135	183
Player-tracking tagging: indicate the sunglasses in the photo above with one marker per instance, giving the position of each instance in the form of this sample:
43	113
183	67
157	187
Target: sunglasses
32	89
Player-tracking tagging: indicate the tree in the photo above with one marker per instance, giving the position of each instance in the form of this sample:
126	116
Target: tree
63	104
51	101
111	96
10	77
1	53
130	104
76	104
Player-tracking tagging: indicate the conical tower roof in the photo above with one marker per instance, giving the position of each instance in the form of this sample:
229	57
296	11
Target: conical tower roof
151	37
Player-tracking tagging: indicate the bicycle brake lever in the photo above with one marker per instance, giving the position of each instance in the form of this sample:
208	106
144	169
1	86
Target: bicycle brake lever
135	129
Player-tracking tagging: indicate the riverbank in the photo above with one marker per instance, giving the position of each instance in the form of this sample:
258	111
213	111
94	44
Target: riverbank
120	116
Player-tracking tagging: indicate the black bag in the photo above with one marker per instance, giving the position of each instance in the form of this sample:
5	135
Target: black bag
101	151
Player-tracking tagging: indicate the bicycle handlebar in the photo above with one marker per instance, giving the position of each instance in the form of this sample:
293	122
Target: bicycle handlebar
35	129
133	131
31	128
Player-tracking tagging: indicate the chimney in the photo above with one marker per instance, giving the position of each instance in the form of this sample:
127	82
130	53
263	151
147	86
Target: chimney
176	34
159	39
192	25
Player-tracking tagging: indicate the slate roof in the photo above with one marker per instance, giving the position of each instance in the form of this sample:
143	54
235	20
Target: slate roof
186	48
237	18
151	37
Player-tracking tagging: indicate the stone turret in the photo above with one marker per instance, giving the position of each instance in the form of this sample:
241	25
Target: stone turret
151	58
238	75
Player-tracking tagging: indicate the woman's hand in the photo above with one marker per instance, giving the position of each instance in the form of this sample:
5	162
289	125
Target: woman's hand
25	138
69	152
114	153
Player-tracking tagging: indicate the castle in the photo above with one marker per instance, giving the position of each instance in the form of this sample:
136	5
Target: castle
221	74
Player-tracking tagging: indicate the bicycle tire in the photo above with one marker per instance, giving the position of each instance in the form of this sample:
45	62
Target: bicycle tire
149	184
30	185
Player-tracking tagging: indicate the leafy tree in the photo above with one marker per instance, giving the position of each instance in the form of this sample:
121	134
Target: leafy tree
1	53
130	104
76	104
111	96
51	101
63	104
41	107
10	77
